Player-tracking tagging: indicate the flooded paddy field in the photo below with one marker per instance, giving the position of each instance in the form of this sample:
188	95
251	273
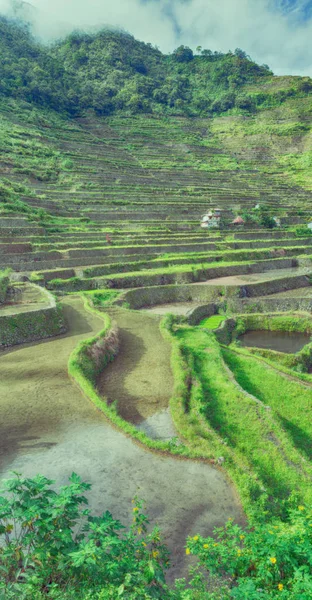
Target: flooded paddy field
281	341
49	427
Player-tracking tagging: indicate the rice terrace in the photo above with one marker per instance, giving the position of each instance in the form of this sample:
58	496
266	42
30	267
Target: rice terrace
155	322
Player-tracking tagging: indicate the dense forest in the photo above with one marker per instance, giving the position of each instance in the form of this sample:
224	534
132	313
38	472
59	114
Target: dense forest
112	72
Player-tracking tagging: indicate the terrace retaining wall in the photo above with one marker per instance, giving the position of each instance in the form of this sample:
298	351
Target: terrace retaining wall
21	328
200	312
270	304
34	325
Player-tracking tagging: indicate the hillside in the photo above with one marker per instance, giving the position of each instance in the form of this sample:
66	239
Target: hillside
112	72
110	154
144	161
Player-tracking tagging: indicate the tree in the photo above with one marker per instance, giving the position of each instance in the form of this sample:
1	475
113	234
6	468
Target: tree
183	54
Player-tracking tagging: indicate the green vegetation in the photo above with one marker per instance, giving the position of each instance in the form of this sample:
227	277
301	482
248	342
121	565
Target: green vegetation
212	322
132	76
270	561
110	154
102	298
4	284
289	400
261	458
64	552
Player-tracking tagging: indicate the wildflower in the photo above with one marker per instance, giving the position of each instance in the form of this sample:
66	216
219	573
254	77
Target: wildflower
135	509
155	553
195	538
300	507
139	530
187	551
241	537
206	546
273	560
280	587
144	544
239	551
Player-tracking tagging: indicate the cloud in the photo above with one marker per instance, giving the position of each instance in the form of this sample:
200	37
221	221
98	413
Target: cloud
276	32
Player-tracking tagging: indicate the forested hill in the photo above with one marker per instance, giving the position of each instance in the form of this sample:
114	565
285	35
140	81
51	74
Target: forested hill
112	72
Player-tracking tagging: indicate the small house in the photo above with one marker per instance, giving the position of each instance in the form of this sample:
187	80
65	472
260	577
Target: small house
212	219
277	221
238	221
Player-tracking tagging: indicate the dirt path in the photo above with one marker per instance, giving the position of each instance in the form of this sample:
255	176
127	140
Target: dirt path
48	427
140	378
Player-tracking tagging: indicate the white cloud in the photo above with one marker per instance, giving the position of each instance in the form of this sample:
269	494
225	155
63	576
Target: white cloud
270	35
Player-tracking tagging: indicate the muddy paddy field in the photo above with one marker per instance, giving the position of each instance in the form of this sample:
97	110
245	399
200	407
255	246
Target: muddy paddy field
53	429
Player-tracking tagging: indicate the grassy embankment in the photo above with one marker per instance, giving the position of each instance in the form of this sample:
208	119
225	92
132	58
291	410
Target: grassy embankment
220	418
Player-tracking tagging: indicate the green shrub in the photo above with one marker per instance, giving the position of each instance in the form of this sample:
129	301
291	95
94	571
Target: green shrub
268	561
51	545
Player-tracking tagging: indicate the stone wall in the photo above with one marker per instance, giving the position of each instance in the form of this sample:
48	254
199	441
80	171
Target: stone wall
32	325
26	327
200	312
269	304
4	283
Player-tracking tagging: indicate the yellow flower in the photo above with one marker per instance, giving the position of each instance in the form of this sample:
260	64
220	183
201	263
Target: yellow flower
139	530
300	507
271	532
195	538
280	587
273	560
206	546
239	552
135	509
216	544
241	537
187	551
155	553
144	544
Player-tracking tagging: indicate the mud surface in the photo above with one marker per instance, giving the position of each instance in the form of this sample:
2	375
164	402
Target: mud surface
176	308
140	378
257	277
48	427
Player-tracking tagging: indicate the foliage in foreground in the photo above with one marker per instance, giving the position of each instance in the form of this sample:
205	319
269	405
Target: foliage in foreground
270	560
49	539
52	547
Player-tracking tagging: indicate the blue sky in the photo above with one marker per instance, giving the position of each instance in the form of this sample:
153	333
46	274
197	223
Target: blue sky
275	32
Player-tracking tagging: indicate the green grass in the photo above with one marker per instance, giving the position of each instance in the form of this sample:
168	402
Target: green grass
212	322
259	454
290	401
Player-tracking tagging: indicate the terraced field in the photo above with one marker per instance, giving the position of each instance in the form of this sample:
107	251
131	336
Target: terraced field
109	208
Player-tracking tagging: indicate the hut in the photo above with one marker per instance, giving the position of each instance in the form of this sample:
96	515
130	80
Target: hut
238	221
211	219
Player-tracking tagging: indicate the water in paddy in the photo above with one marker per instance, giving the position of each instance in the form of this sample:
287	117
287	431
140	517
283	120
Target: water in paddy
281	341
47	426
140	377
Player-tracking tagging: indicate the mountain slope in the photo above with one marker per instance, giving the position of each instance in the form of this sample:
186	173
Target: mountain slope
112	72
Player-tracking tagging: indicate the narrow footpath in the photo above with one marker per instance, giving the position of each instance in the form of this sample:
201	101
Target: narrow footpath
48	427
